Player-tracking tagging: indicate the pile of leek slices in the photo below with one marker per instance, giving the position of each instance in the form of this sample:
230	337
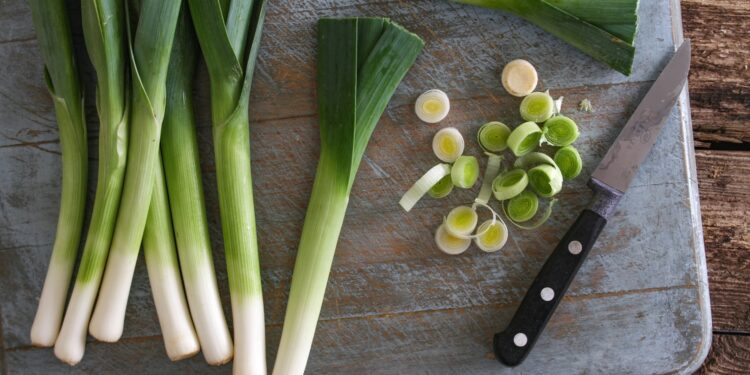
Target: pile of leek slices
517	185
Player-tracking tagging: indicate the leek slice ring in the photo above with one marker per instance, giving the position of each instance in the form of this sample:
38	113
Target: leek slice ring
525	138
509	184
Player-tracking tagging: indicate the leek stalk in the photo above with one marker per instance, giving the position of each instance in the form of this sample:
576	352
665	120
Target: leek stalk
61	75
230	46
179	149
104	34
603	29
361	61
150	51
164	277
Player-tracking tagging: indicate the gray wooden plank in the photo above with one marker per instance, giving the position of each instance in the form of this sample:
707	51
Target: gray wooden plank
452	341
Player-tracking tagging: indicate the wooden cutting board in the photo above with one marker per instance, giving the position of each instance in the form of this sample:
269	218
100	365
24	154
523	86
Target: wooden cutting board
395	304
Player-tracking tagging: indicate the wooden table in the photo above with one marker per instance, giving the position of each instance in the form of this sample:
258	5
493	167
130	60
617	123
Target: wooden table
720	98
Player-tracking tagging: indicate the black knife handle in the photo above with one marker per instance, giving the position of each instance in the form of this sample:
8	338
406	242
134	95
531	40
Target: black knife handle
513	344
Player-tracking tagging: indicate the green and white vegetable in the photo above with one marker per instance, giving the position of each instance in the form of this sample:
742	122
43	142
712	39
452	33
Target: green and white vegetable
424	184
361	61
61	75
105	35
179	149
432	106
560	131
442	188
151	47
491	171
493	136
545	178
449	243
603	29
465	171
522	207
448	144
493	235
525	138
537	107
519	78
509	184
164	276
461	221
229	35
569	161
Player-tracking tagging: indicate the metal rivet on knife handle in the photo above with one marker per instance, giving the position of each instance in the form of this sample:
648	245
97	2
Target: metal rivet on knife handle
575	247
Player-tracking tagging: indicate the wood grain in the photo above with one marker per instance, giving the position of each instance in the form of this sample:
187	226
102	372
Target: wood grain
730	355
724	180
720	77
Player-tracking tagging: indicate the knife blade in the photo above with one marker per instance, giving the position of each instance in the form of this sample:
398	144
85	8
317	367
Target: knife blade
609	182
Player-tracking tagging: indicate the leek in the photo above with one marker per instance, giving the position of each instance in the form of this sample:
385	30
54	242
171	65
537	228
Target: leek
54	36
569	161
449	243
493	136
525	138
442	188
465	171
461	221
560	131
537	107
159	251
104	34
448	144
360	63
150	50
179	148
603	29
424	184
519	78
230	47
432	106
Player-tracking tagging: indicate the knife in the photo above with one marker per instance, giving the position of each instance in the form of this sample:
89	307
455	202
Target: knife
609	182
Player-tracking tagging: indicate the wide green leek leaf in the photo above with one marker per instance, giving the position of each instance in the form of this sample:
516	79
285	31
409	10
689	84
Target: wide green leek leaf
603	29
361	61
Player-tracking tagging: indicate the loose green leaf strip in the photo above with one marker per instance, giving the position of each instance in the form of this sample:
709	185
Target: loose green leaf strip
433	176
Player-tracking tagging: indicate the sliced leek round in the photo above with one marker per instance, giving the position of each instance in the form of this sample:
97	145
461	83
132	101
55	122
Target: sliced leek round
546	180
560	131
448	144
537	107
569	161
465	172
432	106
524	138
449	243
509	184
493	136
493	234
423	185
519	78
522	207
461	221
442	188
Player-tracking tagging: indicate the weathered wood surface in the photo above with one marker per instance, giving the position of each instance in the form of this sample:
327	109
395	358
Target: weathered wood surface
393	297
720	102
720	77
729	355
